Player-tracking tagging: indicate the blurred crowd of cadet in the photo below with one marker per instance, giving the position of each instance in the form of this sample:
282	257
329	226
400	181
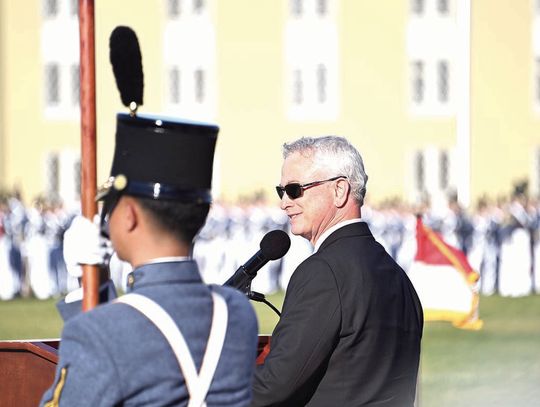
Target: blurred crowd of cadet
501	239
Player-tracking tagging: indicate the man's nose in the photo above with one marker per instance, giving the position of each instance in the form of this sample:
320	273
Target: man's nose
285	201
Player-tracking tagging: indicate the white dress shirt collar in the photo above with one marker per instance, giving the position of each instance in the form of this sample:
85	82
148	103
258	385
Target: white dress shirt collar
169	259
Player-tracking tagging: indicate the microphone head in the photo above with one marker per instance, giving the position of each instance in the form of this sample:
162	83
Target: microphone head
275	244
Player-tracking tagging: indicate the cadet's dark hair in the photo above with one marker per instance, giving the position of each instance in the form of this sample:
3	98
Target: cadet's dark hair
181	219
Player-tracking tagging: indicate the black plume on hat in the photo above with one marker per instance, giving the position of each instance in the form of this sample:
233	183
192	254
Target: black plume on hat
126	59
154	157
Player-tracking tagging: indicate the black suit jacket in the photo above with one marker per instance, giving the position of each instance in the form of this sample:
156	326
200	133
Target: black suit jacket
350	330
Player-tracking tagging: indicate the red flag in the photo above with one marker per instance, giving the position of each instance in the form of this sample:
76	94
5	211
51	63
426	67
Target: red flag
444	280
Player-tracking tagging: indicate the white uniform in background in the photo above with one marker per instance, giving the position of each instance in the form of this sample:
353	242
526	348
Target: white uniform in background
237	248
9	278
479	240
515	256
407	250
536	252
448	222
259	222
37	251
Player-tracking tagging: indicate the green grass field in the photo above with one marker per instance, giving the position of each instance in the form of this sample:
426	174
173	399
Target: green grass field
498	366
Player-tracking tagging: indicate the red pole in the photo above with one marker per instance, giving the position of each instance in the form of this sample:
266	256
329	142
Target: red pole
90	280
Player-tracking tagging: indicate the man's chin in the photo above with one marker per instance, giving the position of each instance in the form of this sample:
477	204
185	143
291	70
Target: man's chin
297	231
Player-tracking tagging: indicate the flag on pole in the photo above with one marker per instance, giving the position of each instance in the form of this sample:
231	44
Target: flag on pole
444	280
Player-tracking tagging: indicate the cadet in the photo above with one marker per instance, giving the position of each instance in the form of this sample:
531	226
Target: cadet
172	340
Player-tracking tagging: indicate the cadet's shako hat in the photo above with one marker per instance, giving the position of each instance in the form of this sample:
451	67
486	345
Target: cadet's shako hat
155	157
162	158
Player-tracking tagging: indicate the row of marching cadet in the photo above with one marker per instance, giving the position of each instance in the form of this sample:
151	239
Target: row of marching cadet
501	240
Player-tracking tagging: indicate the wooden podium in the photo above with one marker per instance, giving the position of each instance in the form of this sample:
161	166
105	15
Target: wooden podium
27	369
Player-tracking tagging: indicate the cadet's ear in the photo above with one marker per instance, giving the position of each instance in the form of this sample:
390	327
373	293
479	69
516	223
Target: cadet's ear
131	213
341	192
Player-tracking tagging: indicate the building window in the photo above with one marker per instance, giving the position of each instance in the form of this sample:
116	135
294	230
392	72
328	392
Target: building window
296	7
312	74
322	7
443	170
52	84
173	8
50	8
199	85
298	87
442	7
321	83
418	81
74	8
60	77
417	7
53	175
189	67
198	6
75	84
174	85
419	172
442	83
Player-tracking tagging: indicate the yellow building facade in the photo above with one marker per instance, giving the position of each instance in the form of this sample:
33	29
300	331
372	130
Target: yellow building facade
438	96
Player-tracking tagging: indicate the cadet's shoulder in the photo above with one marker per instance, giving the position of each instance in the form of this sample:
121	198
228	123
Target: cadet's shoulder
231	295
242	320
100	316
235	299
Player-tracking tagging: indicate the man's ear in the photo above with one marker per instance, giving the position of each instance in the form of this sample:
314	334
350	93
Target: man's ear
341	192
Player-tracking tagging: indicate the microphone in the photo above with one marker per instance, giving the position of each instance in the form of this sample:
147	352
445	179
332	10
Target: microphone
273	246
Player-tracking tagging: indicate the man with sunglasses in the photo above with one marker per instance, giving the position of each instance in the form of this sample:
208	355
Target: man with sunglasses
351	324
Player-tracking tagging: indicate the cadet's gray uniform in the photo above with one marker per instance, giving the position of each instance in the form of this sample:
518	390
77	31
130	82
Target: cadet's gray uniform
113	355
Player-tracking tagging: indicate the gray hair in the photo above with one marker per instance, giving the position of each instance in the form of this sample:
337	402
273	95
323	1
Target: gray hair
336	154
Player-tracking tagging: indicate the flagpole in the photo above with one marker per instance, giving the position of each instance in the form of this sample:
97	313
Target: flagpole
90	279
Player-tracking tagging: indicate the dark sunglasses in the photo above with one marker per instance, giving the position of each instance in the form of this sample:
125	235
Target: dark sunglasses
295	190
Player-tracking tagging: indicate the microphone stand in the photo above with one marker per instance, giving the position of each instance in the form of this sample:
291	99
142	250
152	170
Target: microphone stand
259	297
